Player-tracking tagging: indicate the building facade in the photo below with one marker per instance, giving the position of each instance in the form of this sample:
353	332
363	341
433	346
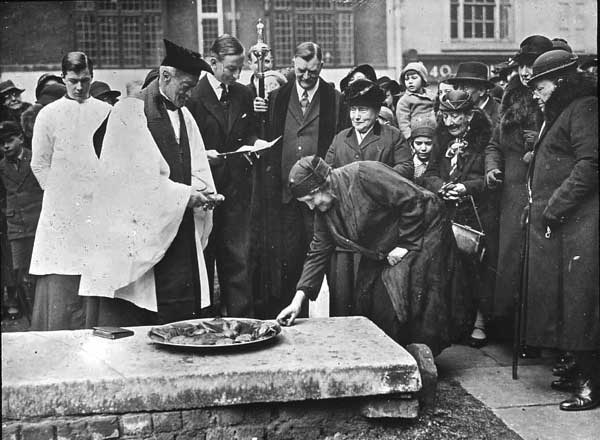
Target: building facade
124	37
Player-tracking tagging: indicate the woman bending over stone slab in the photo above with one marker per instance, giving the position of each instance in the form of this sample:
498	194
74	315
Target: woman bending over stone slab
409	279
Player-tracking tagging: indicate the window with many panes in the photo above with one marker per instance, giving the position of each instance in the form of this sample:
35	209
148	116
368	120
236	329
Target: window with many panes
479	19
329	23
124	33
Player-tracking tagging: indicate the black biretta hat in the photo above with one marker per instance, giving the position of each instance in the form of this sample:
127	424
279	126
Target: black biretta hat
184	59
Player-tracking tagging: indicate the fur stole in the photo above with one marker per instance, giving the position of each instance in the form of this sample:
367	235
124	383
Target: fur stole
518	108
568	89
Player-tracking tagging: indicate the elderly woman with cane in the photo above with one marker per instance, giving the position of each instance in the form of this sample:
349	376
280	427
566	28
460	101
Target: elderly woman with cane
406	282
562	301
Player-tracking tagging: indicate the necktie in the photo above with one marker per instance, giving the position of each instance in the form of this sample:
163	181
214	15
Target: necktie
225	100
304	102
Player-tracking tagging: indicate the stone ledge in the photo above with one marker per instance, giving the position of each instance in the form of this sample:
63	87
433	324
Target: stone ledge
64	373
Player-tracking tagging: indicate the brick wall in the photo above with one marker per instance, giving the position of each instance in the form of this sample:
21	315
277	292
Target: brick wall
297	420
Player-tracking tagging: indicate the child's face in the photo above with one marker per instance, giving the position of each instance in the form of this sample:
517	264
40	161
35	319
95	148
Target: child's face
413	81
12	146
389	99
421	146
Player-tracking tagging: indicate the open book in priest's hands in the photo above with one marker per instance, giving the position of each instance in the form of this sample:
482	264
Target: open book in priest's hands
248	149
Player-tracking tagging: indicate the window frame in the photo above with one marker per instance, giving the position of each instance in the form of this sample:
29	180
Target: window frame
292	11
94	10
502	20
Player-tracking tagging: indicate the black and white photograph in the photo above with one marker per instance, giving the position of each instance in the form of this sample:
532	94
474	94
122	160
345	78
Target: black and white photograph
299	220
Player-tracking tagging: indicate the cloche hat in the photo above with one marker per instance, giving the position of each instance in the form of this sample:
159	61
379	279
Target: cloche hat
531	48
551	62
456	101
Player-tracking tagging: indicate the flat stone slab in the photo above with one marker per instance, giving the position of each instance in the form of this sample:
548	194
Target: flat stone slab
72	372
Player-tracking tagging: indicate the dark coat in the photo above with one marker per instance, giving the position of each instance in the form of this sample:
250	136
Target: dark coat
267	199
23	197
505	152
563	301
383	144
471	167
240	129
471	171
492	110
229	243
376	210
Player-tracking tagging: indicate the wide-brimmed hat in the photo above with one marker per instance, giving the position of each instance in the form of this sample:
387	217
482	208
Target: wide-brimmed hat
552	62
9	129
531	48
51	92
456	101
386	83
364	92
593	61
8	86
366	69
43	80
99	88
471	71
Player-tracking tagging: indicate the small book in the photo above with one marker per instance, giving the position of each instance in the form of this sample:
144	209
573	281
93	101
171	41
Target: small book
111	332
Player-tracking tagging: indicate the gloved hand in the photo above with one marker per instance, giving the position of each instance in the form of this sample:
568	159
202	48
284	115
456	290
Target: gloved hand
493	178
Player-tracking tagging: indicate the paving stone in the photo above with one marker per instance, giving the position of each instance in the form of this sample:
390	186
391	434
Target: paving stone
10	431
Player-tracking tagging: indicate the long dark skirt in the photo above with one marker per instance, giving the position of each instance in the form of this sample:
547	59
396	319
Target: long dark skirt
423	298
57	304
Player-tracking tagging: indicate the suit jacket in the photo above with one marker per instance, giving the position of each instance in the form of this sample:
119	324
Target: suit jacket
23	197
224	134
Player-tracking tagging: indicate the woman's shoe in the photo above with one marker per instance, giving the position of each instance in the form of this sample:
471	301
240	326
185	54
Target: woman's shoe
587	396
478	338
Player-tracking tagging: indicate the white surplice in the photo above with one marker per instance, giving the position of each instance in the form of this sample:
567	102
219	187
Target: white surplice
138	209
65	165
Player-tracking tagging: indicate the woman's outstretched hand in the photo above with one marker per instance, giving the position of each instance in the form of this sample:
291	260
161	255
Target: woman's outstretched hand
288	315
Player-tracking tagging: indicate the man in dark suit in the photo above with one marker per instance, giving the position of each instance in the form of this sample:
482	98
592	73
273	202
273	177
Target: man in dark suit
223	111
308	113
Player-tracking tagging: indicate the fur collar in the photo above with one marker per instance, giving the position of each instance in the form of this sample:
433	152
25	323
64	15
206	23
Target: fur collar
518	108
572	87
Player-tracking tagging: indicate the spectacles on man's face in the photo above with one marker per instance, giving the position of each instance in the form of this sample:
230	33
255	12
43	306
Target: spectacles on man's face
11	95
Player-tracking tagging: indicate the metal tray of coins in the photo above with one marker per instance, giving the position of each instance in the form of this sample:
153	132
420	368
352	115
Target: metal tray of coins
214	333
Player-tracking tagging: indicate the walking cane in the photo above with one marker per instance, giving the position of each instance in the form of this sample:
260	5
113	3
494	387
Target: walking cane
521	297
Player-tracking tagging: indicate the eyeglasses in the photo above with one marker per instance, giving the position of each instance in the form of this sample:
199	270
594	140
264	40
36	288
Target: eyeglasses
11	95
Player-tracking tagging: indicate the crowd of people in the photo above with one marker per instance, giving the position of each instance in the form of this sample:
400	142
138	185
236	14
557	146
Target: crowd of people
448	213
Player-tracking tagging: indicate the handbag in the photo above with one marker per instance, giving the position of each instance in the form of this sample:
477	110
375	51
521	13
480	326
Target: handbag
468	240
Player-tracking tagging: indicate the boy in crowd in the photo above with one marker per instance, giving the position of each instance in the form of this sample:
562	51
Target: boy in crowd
417	100
421	143
23	205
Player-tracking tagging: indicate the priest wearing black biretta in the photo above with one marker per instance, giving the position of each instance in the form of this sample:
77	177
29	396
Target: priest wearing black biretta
154	205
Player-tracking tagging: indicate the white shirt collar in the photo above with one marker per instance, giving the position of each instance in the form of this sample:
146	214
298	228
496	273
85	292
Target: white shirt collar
360	137
484	103
311	92
215	84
